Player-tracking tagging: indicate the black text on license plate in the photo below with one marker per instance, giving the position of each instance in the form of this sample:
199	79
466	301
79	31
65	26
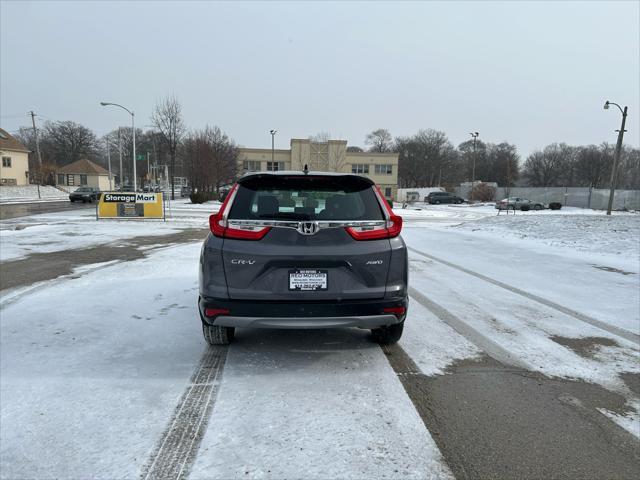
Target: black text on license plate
308	280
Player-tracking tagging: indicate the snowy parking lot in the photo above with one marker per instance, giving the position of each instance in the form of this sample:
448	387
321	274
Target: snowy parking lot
520	357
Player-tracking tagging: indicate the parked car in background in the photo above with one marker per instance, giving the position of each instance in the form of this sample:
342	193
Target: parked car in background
442	197
517	203
85	194
185	191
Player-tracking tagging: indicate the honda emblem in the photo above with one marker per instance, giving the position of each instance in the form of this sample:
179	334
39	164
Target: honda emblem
308	228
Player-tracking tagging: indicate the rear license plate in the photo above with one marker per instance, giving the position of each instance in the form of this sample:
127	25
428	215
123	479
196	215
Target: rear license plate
308	280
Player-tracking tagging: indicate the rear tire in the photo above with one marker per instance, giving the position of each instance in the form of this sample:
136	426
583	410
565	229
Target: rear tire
387	334
216	335
537	207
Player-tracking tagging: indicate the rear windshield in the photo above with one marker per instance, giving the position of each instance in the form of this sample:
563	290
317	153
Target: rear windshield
305	198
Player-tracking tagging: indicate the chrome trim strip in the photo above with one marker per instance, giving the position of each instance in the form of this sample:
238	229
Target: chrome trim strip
322	224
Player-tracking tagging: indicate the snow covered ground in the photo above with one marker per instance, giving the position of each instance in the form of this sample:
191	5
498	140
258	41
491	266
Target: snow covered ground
67	230
94	380
29	193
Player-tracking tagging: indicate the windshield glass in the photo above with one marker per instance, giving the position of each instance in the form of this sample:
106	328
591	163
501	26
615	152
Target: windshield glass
83	189
305	198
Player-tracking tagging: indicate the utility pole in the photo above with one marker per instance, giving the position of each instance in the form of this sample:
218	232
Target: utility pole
508	177
616	155
155	158
133	133
273	151
35	135
120	155
109	164
473	171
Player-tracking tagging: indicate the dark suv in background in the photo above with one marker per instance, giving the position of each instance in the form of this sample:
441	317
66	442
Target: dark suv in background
85	194
442	197
303	250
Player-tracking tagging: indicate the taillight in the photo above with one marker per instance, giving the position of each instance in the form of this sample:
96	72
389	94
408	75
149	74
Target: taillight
214	312
395	310
216	224
392	228
246	233
219	225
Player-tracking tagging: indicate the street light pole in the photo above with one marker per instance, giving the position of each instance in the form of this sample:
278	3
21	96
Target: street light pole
109	164
273	151
474	135
616	155
120	156
133	132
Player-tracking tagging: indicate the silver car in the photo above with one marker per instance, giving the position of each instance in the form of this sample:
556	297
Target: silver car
517	203
303	250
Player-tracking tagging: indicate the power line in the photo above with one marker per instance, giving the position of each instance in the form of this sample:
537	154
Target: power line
14	115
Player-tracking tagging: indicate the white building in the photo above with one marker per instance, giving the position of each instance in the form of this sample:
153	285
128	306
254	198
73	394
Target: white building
14	169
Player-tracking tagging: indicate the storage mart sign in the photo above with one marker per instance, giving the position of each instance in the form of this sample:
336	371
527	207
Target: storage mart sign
131	197
130	205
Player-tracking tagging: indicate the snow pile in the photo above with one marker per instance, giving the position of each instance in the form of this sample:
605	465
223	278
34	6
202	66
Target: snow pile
29	193
593	233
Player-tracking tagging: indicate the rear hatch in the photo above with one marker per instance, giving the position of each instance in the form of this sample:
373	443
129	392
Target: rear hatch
306	238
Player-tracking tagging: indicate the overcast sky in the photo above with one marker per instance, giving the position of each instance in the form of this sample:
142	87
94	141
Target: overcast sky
528	73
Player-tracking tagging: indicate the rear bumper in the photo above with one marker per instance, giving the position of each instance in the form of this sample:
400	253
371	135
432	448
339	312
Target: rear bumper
362	313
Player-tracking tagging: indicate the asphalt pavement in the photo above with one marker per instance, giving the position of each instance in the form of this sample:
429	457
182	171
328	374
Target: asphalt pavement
15	210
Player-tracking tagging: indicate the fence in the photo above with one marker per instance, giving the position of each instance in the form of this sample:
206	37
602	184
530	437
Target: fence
582	197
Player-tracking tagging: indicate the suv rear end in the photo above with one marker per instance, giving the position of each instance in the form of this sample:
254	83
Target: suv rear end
296	250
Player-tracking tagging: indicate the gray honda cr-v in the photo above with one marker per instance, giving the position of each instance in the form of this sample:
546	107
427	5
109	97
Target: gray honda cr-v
303	250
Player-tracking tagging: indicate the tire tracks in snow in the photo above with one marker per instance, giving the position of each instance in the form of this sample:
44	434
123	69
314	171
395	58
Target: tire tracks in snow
486	344
176	451
620	332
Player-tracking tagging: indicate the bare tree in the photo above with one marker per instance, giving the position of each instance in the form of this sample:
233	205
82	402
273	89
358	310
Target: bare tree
503	164
468	156
629	169
547	168
592	164
167	118
210	158
428	159
65	142
320	137
380	140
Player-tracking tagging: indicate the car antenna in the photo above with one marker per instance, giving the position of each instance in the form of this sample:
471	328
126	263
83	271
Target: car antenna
305	169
